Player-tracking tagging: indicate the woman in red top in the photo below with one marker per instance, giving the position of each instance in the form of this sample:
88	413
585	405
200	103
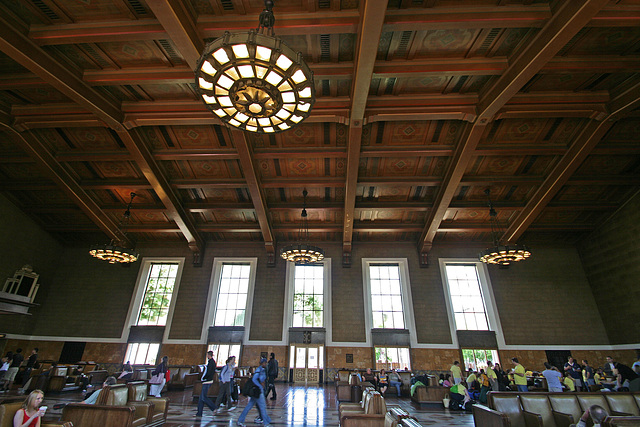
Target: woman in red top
29	415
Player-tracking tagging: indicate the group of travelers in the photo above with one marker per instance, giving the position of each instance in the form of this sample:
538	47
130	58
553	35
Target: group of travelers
262	383
573	377
382	380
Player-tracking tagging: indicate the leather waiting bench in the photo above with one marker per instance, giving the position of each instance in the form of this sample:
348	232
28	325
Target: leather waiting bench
111	409
512	409
157	415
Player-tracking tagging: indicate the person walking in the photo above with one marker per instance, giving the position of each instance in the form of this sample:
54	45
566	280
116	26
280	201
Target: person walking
259	377
207	380
226	385
272	374
161	370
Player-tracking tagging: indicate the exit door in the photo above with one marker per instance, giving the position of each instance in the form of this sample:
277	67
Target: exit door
307	361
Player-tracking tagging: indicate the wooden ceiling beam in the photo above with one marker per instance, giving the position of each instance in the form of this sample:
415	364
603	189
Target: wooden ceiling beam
567	20
324	182
32	145
326	22
326	206
360	227
182	74
372	16
557	32
181	28
24	51
256	191
624	102
96	32
505	148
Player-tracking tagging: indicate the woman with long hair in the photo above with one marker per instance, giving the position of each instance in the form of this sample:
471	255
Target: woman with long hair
31	412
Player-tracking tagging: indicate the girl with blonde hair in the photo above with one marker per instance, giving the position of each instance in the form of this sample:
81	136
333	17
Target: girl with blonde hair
31	412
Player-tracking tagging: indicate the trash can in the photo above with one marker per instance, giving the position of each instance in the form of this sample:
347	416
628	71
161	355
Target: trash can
356	393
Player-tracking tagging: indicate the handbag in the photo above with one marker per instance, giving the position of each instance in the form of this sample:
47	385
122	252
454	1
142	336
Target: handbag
156	379
446	400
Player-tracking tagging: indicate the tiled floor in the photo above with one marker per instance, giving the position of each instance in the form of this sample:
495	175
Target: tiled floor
296	406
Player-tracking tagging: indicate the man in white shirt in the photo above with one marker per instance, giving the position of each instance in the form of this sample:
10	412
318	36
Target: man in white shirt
597	414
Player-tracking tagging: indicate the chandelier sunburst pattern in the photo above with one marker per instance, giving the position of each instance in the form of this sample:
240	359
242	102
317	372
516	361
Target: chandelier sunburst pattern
500	254
112	252
302	252
254	81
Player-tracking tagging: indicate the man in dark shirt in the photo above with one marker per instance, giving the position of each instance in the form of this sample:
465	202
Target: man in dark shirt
575	372
207	380
31	362
272	374
624	375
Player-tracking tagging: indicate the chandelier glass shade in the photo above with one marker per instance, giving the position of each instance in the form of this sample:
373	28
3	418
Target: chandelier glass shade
255	82
112	252
302	252
504	255
500	254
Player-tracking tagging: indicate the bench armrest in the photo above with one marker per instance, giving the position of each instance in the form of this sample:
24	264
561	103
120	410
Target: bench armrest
562	419
531	419
483	416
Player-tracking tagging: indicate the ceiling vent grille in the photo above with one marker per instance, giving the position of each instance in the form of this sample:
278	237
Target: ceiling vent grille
325	52
173	55
95	55
45	9
404	44
324	4
137	7
226	4
488	41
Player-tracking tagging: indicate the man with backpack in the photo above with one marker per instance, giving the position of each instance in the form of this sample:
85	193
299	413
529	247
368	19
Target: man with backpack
272	374
255	392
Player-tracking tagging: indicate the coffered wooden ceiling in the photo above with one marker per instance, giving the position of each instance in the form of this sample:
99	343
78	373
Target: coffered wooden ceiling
421	106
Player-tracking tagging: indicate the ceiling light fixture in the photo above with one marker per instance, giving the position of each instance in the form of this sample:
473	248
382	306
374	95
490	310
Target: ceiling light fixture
254	81
500	254
302	252
112	252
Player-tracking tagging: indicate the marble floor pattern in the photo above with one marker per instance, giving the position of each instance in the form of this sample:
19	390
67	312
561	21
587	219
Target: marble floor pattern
297	405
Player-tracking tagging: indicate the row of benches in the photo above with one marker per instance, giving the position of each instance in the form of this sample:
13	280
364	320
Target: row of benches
372	411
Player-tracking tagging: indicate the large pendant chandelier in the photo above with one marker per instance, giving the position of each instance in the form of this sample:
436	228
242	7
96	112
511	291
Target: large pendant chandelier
302	252
113	253
254	81
500	254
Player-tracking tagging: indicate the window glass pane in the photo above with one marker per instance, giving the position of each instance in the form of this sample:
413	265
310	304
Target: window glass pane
386	296
142	353
377	320
398	320
157	295
232	295
392	358
466	297
308	299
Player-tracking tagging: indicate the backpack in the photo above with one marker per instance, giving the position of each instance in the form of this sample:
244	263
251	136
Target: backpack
247	388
